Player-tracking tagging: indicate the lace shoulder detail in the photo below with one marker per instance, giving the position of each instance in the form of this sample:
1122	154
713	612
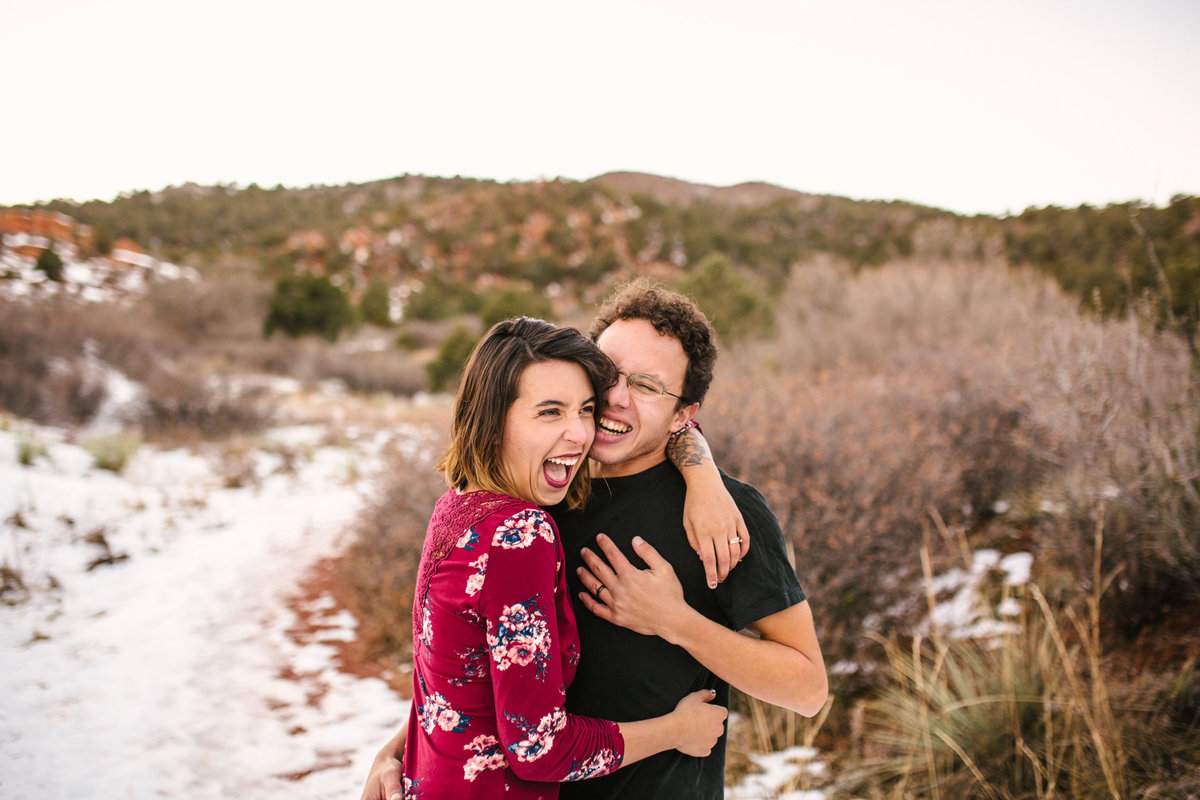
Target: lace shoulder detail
453	515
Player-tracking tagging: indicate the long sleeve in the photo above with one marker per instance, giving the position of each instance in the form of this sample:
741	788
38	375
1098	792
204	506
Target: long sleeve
532	647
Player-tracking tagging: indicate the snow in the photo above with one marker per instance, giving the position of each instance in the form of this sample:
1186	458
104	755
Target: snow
172	672
964	613
779	770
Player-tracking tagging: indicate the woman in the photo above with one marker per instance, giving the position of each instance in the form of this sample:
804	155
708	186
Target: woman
494	636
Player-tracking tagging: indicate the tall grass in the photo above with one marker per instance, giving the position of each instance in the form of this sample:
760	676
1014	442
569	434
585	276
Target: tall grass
1027	715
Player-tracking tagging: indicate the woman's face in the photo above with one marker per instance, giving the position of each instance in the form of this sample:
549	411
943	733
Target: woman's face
548	430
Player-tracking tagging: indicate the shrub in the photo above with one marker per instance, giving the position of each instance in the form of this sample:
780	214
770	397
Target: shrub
304	304
514	303
446	367
29	450
51	264
113	451
911	393
379	569
728	300
43	372
376	304
384	371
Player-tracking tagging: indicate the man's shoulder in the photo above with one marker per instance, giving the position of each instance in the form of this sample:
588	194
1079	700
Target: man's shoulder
744	494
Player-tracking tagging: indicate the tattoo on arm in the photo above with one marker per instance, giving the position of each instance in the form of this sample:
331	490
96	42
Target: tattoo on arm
688	449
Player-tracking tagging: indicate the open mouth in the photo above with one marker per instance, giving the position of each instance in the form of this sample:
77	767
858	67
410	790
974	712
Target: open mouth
612	427
557	470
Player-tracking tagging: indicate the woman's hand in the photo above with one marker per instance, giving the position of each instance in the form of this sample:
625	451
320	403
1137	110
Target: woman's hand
714	525
385	781
647	601
715	530
700	723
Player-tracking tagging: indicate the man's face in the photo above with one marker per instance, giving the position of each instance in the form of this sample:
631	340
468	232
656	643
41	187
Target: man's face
632	435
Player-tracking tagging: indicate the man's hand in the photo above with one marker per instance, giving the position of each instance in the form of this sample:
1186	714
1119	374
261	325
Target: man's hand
646	601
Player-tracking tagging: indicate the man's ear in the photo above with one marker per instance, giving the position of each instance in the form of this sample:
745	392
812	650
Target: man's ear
684	415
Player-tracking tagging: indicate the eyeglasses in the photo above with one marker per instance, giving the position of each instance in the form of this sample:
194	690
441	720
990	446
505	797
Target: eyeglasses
645	385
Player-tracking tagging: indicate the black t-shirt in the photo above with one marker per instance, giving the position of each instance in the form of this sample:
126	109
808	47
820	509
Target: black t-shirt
626	676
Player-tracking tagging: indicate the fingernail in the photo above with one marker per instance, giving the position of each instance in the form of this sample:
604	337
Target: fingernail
712	584
637	540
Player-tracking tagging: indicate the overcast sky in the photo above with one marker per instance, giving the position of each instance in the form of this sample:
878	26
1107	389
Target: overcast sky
971	106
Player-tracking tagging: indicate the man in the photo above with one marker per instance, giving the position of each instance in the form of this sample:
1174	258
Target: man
685	640
666	349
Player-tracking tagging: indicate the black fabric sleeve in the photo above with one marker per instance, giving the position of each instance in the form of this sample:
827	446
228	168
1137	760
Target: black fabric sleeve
765	582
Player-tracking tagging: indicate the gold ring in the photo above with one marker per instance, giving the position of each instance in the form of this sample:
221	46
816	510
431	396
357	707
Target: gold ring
736	540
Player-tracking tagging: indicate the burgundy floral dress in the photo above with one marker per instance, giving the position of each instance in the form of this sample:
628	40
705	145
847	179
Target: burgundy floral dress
494	649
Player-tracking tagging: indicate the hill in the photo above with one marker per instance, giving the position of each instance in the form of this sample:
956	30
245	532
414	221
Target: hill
442	246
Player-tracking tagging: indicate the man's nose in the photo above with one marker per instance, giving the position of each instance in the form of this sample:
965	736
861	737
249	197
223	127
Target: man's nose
618	393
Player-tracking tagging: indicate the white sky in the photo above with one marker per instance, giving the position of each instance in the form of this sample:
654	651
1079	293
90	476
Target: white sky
971	106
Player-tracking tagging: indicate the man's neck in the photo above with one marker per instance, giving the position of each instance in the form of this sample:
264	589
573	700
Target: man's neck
624	469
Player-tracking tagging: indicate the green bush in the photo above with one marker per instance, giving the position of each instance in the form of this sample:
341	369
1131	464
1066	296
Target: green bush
451	357
304	304
113	451
726	297
509	303
375	307
50	263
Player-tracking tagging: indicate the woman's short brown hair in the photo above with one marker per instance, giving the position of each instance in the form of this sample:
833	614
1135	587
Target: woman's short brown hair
490	386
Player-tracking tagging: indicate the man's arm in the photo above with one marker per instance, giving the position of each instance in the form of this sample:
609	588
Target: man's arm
714	525
783	666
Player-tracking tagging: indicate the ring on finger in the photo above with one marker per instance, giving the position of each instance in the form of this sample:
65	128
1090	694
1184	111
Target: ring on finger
736	540
599	589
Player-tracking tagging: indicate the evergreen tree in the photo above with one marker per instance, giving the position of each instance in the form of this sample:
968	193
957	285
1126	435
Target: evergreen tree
375	307
50	263
303	304
726	297
447	366
509	303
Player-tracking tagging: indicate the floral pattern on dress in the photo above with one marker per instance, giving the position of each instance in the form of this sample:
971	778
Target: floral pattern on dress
521	636
474	665
536	739
475	582
522	528
411	788
494	593
469	539
486	753
438	713
426	626
601	763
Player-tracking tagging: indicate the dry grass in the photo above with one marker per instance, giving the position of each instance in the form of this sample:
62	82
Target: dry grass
1032	714
379	570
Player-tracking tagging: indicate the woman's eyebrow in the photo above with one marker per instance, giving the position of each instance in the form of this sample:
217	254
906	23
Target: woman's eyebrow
550	401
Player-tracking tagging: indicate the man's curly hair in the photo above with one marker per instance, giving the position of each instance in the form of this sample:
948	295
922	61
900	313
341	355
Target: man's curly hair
672	314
